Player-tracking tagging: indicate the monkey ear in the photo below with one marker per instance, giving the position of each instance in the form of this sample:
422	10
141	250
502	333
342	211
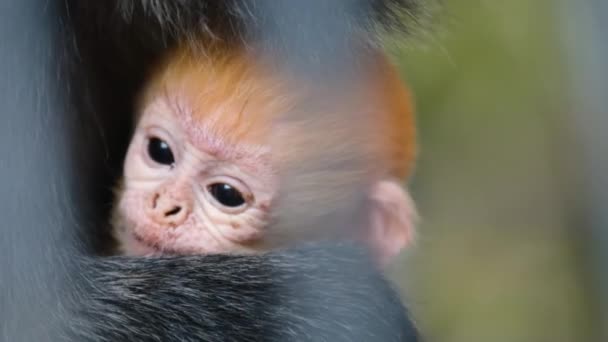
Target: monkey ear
392	218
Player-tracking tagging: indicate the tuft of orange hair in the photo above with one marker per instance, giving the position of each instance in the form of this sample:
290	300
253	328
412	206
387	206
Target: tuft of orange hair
396	126
401	125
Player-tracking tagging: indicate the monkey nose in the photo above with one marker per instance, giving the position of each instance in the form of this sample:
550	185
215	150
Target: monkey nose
167	210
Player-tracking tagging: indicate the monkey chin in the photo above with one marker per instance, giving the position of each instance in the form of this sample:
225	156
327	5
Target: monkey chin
140	246
137	245
131	244
138	240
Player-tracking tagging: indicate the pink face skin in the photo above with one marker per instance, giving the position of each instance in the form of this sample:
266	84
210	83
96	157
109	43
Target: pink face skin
194	186
188	189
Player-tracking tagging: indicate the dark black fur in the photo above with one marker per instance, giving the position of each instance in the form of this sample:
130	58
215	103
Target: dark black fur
59	159
162	21
310	294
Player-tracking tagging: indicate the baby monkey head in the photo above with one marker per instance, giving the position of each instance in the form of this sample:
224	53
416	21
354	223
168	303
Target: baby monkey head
202	170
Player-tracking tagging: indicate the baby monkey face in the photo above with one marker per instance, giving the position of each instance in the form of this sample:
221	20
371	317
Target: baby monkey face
190	186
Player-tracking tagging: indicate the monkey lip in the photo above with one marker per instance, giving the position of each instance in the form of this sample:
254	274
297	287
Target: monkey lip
141	240
156	248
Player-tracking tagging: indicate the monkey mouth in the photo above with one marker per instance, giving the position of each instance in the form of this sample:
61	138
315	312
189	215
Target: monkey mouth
157	248
146	243
143	241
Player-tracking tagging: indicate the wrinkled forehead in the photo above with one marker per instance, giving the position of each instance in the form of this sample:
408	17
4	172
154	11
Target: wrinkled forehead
226	109
227	97
208	134
226	130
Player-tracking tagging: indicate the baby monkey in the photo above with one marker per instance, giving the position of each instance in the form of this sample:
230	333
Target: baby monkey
201	174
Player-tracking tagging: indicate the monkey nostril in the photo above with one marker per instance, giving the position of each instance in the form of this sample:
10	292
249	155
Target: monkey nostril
173	211
155	200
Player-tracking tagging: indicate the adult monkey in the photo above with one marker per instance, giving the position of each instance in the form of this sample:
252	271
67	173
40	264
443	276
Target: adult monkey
49	292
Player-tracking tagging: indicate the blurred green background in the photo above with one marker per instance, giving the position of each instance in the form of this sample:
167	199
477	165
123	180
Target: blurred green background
501	250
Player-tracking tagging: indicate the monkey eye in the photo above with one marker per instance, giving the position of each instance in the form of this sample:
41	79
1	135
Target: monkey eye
226	194
160	152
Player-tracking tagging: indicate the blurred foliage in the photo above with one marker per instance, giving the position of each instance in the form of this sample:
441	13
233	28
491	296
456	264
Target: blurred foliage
498	252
